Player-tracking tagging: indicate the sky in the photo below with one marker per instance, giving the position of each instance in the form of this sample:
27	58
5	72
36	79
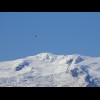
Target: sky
57	32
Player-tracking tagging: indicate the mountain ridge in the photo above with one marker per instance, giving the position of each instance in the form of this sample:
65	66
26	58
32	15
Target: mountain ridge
50	70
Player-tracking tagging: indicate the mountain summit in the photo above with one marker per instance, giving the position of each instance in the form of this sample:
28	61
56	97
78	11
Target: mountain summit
50	70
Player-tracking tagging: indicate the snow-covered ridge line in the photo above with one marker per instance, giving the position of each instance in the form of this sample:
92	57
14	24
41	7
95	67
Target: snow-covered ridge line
47	69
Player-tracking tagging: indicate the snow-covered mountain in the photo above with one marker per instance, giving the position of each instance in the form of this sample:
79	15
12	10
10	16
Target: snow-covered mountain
49	70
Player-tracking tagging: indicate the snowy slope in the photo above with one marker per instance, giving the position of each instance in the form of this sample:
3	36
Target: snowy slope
49	70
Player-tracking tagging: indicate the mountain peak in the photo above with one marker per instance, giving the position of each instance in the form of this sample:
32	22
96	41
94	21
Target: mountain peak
47	69
44	54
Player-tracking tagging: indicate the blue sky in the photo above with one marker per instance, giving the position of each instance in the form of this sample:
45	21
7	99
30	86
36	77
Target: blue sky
58	33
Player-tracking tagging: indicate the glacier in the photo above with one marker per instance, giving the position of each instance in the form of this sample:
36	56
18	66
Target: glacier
50	70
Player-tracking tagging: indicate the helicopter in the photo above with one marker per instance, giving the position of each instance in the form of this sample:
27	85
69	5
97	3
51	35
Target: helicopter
35	34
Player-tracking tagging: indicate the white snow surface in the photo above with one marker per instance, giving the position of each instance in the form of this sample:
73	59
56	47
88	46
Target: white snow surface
49	70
